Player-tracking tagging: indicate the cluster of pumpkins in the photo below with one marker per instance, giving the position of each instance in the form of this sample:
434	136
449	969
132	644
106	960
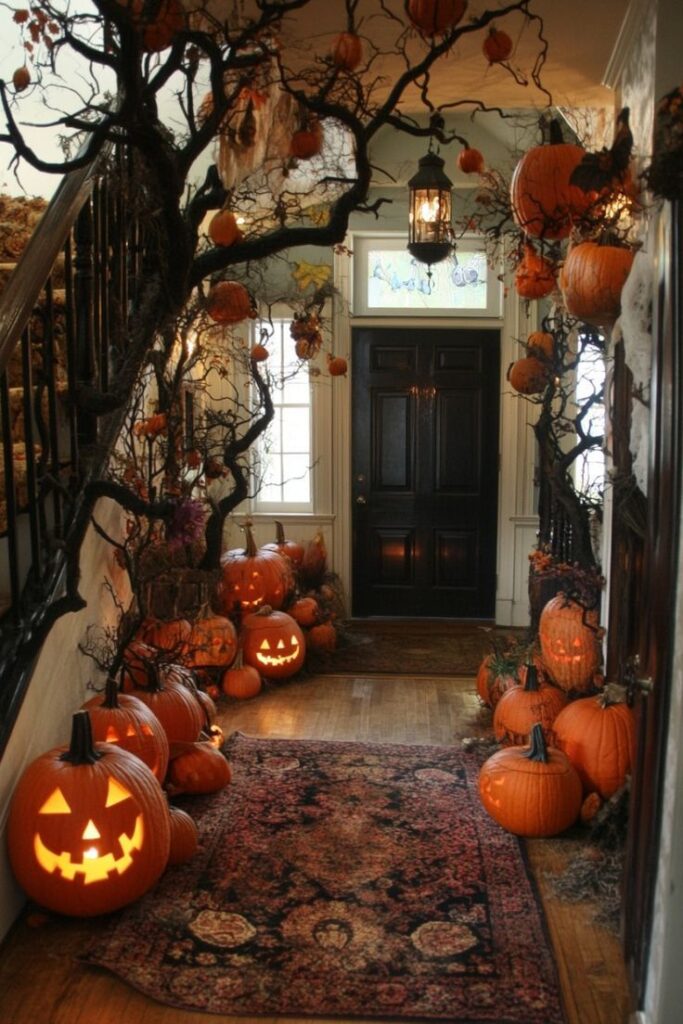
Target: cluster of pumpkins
566	748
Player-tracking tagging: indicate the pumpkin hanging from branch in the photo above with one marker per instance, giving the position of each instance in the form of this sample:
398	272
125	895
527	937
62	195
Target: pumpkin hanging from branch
347	51
125	720
435	17
224	229
88	828
535	275
497	46
598	736
470	160
532	790
528	376
228	302
592	279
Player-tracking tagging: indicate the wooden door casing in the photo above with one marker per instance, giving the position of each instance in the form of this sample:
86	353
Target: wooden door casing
425	471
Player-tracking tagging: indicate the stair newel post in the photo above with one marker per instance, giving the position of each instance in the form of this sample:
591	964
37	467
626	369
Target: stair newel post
85	366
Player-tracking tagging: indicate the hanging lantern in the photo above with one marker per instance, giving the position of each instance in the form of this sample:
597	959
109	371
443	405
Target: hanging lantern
430	232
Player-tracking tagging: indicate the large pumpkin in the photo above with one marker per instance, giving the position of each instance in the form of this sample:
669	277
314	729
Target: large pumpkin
88	827
532	790
598	737
169	635
224	229
178	710
592	280
125	720
228	302
273	643
252	577
570	643
436	16
521	707
544	203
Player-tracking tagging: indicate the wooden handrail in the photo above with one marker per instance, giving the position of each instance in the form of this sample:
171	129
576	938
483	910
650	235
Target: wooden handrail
22	288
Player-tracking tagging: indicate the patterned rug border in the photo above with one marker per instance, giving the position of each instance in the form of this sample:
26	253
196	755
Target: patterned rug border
89	958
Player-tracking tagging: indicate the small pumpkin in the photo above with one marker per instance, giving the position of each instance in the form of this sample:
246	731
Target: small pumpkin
544	203
535	275
224	229
291	549
308	141
198	768
305	611
497	46
88	829
598	736
570	643
592	279
347	51
273	643
243	682
528	376
259	353
521	707
470	160
314	563
184	836
434	17
541	344
252	577
125	720
532	790
337	366
322	637
228	302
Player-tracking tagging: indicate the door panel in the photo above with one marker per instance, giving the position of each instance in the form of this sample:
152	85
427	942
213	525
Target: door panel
425	471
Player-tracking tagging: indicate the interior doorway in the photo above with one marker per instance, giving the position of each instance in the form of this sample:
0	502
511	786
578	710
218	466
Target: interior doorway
425	408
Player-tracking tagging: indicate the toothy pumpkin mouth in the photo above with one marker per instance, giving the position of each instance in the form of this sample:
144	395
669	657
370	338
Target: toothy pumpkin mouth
92	868
277	659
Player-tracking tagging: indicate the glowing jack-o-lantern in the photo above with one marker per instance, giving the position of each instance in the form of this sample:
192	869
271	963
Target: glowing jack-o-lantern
273	643
88	828
253	577
125	720
570	643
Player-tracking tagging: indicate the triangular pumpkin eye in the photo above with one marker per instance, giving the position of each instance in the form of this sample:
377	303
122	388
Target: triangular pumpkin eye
116	793
55	804
265	646
112	735
280	645
130	731
293	641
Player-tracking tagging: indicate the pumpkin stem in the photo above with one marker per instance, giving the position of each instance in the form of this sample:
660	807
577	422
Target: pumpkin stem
279	533
537	747
81	749
611	694
555	132
250	549
111	693
531	684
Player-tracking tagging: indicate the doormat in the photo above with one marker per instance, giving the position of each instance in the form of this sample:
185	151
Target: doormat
409	647
343	879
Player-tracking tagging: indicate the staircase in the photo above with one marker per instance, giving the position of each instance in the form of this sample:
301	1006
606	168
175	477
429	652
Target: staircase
68	278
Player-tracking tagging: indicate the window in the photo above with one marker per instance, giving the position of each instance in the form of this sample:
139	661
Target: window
282	463
589	468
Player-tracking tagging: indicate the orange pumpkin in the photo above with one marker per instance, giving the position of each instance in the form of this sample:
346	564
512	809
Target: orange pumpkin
169	635
337	366
243	682
290	549
570	643
598	737
198	768
228	302
314	562
532	790
541	344
21	79
252	577
497	46
520	707
184	836
88	829
433	17
347	51
123	719
212	642
544	203
470	160
305	611
178	710
224	229
159	28
592	280
535	275
528	376
484	679
137	659
273	643
307	142
259	353
322	637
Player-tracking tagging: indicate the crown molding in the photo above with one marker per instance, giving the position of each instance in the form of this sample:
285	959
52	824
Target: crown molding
631	29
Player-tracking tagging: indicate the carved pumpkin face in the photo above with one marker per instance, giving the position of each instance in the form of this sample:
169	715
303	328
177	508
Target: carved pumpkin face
273	644
252	578
213	641
85	838
122	719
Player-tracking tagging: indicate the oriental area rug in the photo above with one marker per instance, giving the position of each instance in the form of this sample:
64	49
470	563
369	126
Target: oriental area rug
412	646
348	880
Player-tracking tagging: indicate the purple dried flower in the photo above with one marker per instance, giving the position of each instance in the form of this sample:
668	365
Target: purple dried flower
187	523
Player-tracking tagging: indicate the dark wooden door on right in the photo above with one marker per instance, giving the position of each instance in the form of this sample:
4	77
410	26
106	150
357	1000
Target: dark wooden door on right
425	471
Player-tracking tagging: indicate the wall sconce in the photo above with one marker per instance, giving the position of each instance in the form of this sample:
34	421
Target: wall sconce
430	232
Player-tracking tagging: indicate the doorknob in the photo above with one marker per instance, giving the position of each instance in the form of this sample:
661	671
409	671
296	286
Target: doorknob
361	500
633	681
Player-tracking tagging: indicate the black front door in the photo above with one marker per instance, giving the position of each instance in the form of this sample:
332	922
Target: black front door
425	471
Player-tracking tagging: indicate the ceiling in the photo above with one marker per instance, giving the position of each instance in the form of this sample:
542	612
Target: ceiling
581	37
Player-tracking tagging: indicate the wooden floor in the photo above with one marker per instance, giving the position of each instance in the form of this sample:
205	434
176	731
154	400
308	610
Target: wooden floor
42	983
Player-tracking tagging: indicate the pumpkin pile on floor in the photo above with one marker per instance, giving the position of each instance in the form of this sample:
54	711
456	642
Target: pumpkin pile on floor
567	738
91	826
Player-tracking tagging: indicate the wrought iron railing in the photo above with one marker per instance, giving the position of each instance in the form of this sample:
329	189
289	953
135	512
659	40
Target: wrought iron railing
63	314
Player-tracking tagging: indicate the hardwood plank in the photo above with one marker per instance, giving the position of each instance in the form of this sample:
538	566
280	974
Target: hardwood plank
41	979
